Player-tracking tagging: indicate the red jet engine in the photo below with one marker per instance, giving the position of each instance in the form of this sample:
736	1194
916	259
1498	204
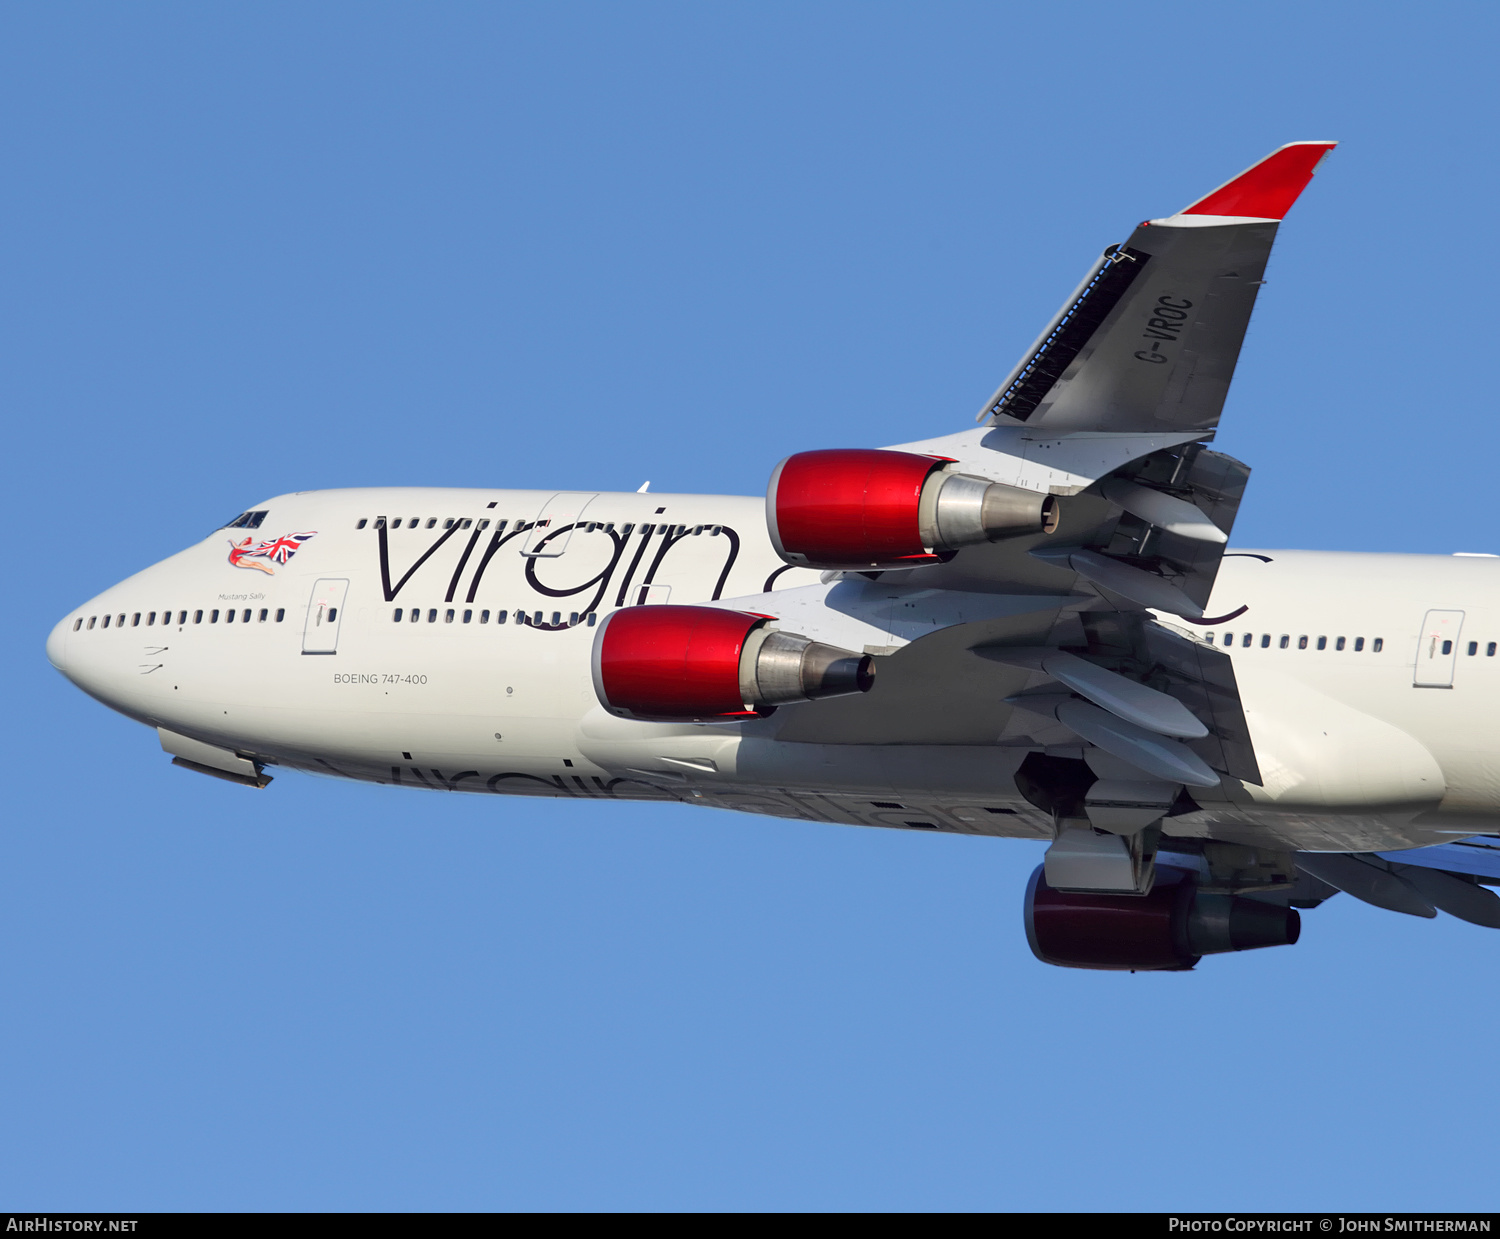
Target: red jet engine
1168	930
861	508
708	664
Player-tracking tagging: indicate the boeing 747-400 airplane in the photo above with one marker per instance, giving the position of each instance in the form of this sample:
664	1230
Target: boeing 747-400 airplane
1031	629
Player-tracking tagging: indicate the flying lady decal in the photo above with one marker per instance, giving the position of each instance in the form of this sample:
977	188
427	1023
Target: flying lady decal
278	550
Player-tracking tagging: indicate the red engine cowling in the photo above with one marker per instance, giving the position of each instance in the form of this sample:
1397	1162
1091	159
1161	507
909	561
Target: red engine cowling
1169	929
862	508
709	664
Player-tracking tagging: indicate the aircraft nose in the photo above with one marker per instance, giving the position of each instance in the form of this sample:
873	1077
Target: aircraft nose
57	644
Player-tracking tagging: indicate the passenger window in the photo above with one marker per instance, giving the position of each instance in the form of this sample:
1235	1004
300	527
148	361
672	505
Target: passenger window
592	618
397	616
396	523
135	620
573	618
380	522
197	617
1301	643
1447	647
1359	645
448	619
416	615
1228	638
92	618
467	522
1377	645
1285	641
263	614
501	616
468	615
537	619
432	616
280	614
151	619
1265	640
213	617
106	622
1489	650
484	617
78	623
1473	648
363	521
120	623
431	521
448	524
1322	643
1246	640
333	614
228	616
484	524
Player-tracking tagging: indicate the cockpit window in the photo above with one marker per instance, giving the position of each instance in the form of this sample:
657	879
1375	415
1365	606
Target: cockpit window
247	520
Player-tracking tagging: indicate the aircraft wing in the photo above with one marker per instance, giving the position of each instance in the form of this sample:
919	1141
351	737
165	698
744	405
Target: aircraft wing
1149	340
1419	881
1478	857
1058	640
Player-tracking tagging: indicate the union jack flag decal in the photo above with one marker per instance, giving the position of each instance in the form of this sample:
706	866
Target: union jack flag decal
249	554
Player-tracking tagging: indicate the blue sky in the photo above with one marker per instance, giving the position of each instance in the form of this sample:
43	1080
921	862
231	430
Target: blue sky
250	249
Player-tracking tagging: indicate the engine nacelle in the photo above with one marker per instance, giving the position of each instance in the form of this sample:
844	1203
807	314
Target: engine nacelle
708	664
1169	929
863	508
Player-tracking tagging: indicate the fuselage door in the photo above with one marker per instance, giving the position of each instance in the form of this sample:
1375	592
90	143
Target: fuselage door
553	530
1437	649
325	615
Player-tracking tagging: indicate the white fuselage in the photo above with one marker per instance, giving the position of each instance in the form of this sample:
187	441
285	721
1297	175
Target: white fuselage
458	657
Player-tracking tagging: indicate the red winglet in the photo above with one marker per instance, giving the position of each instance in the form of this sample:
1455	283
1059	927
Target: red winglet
1267	190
